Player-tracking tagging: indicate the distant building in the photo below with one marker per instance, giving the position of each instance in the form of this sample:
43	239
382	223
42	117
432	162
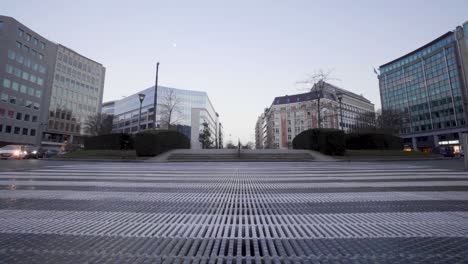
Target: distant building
47	90
429	87
291	114
191	109
108	108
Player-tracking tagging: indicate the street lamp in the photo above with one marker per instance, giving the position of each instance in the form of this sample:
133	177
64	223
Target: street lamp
141	97
340	98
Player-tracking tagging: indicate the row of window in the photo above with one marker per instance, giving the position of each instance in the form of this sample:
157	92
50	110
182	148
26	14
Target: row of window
26	61
76	74
30	39
24	75
62	126
7	129
29	50
86	67
5	113
21	88
72	84
18	101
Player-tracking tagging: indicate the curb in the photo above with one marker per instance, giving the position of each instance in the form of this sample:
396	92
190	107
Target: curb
95	160
392	159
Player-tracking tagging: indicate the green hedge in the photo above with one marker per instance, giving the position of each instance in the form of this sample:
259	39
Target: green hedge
327	141
109	141
155	142
381	141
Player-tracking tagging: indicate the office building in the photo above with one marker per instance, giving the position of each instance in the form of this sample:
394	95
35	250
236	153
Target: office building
189	110
108	108
429	88
26	62
291	114
47	90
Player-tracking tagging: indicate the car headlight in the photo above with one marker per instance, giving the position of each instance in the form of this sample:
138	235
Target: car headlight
16	153
25	152
34	152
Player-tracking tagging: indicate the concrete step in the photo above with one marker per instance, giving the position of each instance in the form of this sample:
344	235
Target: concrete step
186	157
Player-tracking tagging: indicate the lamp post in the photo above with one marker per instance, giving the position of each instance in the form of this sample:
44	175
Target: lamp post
340	98
155	104
141	97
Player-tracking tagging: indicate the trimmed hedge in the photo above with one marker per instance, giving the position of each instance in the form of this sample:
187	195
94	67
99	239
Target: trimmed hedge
381	141
155	142
109	141
327	141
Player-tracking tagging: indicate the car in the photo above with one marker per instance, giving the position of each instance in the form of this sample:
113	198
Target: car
31	152
12	152
48	153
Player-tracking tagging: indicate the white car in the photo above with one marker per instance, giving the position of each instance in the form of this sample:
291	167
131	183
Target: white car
12	152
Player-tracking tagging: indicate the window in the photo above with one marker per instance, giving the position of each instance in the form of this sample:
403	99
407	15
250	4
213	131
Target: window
41	56
42	45
6	83
40	81
17	130
26	49
8	129
20	32
38	93
26	117
4	97
10	114
25	76
32	132
17	72
9	68
19	44
28	37
31	91
36	106
1	127
19	58
35	41
23	88
25	131
12	100
42	69
19	116
32	78
11	55
28	104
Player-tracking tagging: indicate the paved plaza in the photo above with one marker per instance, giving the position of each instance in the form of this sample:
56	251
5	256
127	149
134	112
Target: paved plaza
315	212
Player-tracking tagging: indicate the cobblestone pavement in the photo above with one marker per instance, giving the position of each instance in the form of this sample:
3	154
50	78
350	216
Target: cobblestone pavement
234	213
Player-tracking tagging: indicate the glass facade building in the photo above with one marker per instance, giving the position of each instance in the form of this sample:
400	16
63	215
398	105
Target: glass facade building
126	111
428	87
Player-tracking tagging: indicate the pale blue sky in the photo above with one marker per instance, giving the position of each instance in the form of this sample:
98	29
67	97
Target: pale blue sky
243	53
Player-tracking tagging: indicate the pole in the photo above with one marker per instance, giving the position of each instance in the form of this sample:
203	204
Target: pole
156	93
341	115
465	148
139	117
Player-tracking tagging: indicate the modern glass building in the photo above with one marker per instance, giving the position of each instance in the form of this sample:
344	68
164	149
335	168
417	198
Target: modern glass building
191	109
428	87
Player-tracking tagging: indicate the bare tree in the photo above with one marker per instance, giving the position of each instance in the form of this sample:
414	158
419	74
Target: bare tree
365	122
391	120
319	80
170	109
98	124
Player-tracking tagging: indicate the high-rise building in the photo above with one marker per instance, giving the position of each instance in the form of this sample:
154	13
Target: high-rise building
184	110
47	90
291	114
428	86
26	62
77	90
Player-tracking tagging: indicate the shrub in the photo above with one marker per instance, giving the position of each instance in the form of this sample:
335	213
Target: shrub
155	142
373	141
109	141
327	141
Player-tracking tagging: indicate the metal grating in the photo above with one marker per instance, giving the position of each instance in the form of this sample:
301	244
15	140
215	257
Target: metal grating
241	213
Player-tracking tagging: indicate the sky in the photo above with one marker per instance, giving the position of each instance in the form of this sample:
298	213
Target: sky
243	53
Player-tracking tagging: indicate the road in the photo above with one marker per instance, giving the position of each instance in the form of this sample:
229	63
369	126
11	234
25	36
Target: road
70	212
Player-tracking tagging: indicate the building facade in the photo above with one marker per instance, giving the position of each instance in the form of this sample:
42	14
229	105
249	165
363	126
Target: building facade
77	90
108	108
291	114
428	87
47	90
189	110
26	62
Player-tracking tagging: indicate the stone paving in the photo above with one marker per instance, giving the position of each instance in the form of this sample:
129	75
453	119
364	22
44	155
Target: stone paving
234	213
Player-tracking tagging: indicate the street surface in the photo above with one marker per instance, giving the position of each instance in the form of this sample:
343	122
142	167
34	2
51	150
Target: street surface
78	212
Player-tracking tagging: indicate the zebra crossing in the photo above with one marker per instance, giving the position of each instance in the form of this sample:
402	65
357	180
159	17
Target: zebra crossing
234	213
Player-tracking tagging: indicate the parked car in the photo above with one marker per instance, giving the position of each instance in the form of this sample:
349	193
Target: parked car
447	152
48	153
12	152
31	152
